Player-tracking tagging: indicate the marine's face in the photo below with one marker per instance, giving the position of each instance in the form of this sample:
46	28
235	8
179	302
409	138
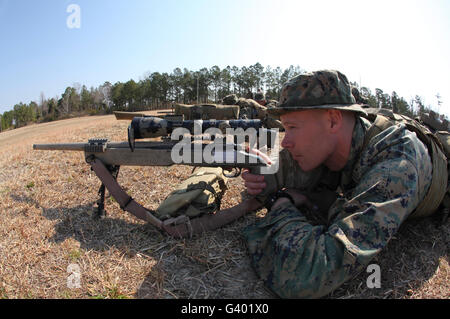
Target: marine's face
307	137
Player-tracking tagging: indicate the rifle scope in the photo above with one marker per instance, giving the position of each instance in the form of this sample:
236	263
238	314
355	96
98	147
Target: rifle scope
148	127
151	127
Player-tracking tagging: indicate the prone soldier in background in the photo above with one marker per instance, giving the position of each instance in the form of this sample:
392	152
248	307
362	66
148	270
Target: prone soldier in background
254	108
358	97
260	97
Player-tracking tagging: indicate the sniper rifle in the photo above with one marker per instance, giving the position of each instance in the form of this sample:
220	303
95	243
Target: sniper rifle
182	142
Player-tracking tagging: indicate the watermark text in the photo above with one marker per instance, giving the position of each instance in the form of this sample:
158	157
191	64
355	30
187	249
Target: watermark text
74	19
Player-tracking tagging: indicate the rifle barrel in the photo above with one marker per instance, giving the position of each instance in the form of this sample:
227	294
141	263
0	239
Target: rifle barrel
60	147
82	146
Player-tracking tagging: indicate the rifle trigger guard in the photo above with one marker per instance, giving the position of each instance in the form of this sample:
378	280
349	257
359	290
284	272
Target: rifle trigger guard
235	172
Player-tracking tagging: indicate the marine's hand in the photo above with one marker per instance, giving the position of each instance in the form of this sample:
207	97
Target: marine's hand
254	183
299	198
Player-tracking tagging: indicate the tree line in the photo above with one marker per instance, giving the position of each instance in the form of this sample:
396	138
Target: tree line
160	90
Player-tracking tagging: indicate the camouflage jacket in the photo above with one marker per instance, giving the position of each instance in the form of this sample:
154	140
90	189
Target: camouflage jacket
300	254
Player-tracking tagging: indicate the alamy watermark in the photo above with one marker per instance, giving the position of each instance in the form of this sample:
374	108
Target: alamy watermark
374	279
74	19
223	151
74	279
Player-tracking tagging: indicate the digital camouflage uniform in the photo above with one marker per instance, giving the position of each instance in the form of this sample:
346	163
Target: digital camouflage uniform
301	253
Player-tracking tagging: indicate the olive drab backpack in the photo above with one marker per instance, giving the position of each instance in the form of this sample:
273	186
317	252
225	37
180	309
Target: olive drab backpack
438	144
199	194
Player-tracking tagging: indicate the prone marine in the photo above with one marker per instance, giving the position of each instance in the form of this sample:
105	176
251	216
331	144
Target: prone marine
342	190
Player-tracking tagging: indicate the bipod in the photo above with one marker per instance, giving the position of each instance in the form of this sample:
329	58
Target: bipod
179	227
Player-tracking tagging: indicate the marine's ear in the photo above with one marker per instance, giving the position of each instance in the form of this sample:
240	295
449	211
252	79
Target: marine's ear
334	119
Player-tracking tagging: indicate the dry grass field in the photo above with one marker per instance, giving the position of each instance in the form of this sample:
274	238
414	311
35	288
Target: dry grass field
46	224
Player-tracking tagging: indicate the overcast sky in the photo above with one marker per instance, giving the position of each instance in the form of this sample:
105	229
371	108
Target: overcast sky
391	45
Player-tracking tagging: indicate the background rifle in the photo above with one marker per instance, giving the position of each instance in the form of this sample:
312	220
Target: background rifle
127	115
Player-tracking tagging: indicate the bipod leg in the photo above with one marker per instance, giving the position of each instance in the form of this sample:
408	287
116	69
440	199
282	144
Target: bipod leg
125	201
99	211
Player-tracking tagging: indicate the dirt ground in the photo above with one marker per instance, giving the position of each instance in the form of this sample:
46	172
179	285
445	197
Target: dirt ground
51	247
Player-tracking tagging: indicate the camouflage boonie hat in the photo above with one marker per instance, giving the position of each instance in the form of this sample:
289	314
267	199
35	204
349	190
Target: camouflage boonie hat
326	89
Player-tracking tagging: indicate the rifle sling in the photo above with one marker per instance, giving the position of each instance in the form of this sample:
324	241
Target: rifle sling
209	222
180	227
125	201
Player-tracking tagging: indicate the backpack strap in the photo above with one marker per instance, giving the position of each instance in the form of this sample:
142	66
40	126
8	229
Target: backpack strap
202	185
438	187
379	125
